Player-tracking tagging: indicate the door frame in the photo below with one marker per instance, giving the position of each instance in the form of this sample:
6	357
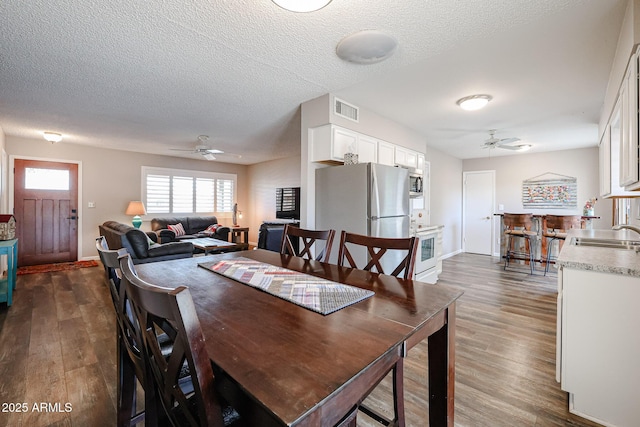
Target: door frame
11	181
465	174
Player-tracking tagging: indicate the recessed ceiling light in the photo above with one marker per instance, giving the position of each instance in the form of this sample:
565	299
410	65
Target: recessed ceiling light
474	102
52	137
366	47
302	5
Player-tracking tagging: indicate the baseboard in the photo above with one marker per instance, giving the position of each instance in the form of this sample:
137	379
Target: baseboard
449	255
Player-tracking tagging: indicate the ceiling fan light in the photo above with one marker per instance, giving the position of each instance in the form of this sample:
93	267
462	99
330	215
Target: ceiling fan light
302	5
474	102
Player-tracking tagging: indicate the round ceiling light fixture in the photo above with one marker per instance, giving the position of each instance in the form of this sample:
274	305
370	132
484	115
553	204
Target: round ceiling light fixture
474	102
302	5
52	137
366	47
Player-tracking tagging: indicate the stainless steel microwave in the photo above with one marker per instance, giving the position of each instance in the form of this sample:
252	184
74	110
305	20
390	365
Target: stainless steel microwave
415	183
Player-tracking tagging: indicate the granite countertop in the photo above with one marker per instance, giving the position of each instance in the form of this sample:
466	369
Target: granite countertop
605	260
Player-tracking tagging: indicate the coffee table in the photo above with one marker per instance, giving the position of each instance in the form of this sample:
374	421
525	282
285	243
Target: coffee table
209	244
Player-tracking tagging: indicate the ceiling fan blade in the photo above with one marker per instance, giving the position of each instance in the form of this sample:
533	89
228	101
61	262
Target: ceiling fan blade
511	147
508	140
180	149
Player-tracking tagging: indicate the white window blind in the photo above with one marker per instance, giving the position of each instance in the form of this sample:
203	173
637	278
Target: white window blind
171	191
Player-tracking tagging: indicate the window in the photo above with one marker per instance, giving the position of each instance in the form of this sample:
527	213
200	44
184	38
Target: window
172	191
46	179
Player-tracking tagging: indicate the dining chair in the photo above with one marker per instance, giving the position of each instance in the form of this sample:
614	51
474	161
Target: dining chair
129	364
181	373
519	225
377	247
555	230
308	238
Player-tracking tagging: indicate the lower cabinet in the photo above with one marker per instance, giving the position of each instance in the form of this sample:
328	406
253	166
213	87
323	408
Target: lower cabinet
599	346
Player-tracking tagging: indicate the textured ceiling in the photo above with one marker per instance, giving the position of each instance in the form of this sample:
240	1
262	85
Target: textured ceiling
152	75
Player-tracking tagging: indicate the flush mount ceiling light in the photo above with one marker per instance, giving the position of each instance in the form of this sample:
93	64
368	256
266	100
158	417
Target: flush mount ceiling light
52	137
366	47
474	102
302	5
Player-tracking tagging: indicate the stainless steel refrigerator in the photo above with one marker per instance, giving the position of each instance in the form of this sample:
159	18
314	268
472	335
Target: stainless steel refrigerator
366	198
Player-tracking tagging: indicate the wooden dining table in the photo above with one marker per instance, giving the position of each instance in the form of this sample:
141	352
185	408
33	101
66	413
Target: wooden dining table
281	364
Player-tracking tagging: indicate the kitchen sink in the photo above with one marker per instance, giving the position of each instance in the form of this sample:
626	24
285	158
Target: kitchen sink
607	243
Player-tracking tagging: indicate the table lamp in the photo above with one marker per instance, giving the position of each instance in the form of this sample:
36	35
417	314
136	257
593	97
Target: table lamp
136	208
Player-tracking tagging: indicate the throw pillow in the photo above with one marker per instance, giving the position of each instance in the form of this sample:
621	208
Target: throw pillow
177	228
212	228
150	242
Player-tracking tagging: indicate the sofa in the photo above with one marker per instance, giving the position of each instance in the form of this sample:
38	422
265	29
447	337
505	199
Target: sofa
194	227
143	247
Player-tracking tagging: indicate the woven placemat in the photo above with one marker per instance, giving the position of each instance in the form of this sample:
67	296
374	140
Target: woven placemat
314	293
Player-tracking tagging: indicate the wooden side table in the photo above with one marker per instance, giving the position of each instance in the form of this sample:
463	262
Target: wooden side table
8	284
240	236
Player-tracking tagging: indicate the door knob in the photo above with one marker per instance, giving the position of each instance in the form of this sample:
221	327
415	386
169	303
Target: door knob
488	217
71	217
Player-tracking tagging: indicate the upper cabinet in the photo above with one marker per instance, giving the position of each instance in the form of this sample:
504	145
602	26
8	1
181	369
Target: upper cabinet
386	153
330	143
628	99
406	157
618	148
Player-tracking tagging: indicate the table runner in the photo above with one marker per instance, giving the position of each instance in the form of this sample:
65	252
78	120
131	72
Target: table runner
314	293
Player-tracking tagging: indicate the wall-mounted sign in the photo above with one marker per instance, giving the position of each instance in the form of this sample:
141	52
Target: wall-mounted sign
550	191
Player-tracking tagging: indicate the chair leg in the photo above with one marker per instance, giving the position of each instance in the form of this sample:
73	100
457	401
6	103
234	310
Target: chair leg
532	261
549	248
508	249
126	390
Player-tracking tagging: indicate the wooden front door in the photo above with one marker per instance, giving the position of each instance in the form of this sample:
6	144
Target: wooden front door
46	211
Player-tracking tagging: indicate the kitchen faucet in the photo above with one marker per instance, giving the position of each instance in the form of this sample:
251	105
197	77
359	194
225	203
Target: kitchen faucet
626	226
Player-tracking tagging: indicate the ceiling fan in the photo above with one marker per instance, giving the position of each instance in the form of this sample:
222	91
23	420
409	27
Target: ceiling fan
205	150
494	142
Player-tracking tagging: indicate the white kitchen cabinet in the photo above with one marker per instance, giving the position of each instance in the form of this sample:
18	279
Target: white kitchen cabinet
421	161
628	98
604	154
330	143
599	347
367	149
386	153
406	157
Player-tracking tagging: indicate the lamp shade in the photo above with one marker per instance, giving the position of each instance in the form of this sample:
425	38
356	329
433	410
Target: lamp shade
136	208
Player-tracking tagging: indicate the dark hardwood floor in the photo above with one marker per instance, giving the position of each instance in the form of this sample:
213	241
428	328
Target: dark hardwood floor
57	347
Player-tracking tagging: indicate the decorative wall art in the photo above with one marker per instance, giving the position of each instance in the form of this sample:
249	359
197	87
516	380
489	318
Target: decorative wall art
550	191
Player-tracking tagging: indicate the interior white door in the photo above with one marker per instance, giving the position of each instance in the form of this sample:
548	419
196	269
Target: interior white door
479	194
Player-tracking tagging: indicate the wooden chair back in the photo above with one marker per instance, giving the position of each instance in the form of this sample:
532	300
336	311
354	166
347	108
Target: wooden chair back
170	313
515	221
376	248
563	222
308	238
130	363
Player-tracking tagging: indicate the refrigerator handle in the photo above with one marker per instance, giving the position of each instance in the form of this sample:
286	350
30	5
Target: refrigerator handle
375	193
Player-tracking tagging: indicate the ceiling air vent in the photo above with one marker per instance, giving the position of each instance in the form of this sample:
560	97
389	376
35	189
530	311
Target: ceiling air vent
345	110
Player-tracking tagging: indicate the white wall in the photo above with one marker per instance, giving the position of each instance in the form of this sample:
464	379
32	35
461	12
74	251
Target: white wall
512	170
112	178
263	179
446	198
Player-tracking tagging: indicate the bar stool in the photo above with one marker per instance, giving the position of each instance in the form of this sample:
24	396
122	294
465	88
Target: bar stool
519	225
556	230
